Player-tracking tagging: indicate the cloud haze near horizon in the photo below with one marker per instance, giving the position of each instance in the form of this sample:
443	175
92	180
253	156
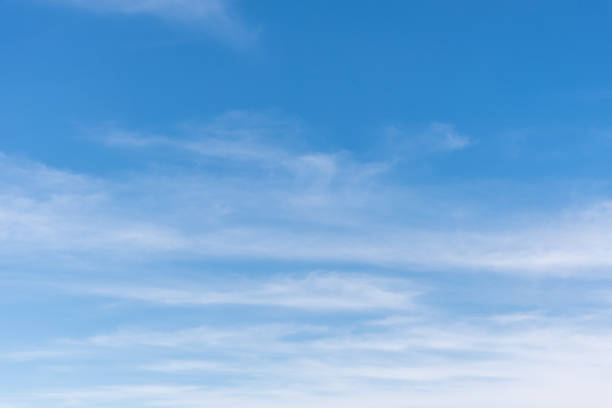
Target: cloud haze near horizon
236	196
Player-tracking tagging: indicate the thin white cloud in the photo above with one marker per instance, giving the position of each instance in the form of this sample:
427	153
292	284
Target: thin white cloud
435	138
544	392
445	137
33	355
436	364
217	16
266	201
235	339
317	291
243	137
178	366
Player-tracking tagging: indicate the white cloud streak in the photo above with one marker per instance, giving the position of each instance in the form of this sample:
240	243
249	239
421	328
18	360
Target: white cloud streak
217	16
437	137
265	201
433	364
318	291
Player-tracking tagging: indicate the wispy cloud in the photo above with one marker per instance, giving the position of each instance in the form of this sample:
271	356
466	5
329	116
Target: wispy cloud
425	360
445	137
318	291
435	138
240	137
33	355
243	195
217	16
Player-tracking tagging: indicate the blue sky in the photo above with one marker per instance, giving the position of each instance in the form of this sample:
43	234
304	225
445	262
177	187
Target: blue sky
214	203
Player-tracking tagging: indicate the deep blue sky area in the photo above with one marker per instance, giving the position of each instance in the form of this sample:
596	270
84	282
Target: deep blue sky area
345	68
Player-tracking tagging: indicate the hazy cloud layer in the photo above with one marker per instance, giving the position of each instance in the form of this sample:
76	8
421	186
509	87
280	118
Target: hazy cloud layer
438	364
239	190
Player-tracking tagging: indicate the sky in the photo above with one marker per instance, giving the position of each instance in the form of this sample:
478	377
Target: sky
222	203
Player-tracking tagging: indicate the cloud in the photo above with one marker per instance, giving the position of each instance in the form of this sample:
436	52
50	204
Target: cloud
539	394
437	137
315	291
445	137
217	16
230	189
236	137
436	363
248	338
33	355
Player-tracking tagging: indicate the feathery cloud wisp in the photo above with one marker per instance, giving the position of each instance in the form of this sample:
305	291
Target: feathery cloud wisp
316	291
261	200
216	16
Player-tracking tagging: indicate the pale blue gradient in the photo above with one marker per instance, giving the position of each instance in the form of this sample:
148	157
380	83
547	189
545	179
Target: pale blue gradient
214	203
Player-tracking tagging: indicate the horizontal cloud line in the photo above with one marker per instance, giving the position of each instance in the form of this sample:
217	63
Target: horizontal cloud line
316	291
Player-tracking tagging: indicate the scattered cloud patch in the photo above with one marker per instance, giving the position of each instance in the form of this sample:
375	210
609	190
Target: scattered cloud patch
437	137
445	137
